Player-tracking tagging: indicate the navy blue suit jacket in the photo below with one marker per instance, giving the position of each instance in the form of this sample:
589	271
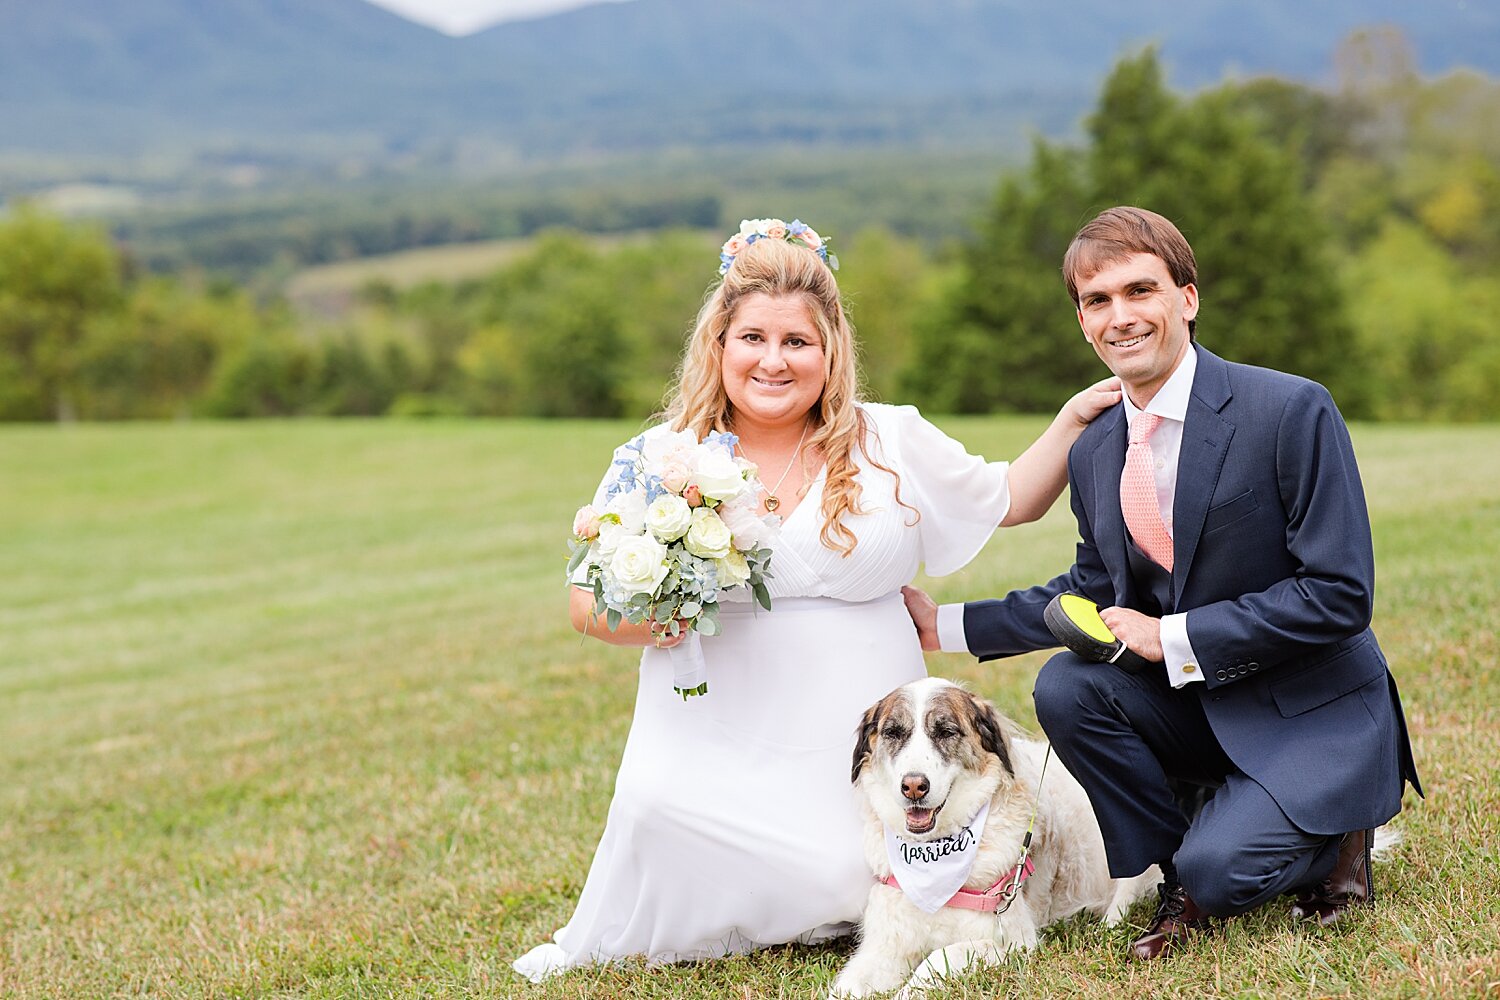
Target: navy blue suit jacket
1273	563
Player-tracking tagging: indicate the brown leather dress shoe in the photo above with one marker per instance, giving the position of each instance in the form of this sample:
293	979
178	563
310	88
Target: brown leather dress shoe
1177	916
1351	883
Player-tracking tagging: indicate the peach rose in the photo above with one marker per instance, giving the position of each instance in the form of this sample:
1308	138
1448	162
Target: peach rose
776	230
811	238
674	476
586	523
694	496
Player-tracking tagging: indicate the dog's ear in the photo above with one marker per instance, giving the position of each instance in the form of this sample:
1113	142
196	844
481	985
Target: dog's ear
991	730
867	728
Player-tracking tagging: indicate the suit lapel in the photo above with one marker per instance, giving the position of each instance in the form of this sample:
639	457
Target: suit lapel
1205	442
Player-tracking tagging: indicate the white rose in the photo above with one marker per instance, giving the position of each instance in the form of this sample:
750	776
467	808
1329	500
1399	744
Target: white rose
631	509
610	537
639	564
707	537
660	449
748	527
733	570
717	474
668	517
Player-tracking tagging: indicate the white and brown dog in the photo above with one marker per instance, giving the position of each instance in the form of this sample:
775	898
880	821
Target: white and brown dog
949	787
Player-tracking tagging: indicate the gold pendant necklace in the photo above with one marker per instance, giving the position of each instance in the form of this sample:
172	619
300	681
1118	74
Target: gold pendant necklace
772	501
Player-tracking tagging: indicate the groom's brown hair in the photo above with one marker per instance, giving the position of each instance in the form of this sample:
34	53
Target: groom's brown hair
1117	233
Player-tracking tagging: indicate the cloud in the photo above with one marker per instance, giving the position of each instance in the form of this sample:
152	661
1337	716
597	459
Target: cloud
460	17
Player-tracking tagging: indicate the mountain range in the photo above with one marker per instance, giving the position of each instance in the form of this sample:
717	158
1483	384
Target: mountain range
145	79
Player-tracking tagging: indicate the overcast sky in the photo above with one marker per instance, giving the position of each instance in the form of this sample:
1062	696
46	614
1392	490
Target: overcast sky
458	17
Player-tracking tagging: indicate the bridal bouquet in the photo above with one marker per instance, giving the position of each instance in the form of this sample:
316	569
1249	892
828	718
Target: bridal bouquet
680	525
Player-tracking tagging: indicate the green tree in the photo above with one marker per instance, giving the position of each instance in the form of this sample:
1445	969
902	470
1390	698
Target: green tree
273	375
889	286
1006	337
154	357
658	285
1426	328
572	356
55	279
1269	290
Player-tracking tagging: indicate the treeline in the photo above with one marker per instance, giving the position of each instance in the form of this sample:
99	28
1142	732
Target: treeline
259	239
280	234
1351	235
567	329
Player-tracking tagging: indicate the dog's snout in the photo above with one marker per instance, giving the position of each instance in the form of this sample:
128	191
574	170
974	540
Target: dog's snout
915	786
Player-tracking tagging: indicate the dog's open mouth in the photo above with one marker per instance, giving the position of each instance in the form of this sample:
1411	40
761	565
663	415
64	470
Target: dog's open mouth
921	820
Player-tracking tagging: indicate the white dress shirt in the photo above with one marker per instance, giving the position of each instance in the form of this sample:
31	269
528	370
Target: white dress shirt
1171	404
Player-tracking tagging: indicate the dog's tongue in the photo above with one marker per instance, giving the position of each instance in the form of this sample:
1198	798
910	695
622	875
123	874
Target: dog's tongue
920	820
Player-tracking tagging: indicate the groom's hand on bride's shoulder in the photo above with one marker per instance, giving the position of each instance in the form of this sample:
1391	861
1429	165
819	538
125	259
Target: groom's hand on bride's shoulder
923	611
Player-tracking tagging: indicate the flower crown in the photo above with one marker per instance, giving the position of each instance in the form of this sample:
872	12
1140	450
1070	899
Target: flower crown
795	232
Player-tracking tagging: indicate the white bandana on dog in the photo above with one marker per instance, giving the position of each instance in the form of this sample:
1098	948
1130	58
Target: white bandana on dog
931	872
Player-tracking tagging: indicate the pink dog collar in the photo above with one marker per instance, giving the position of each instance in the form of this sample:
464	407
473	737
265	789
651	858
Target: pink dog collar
996	899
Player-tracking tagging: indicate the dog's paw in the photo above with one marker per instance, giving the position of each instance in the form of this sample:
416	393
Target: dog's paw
866	979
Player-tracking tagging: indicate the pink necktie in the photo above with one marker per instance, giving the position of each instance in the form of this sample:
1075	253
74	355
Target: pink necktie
1138	494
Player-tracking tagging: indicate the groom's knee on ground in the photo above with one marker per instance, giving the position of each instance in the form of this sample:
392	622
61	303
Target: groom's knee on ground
1218	879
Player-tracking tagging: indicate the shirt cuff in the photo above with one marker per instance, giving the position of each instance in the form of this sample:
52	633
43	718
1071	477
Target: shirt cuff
950	629
1182	662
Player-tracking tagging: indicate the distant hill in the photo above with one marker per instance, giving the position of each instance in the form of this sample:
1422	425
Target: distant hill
343	79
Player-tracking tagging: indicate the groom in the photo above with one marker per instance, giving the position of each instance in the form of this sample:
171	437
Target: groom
1223	530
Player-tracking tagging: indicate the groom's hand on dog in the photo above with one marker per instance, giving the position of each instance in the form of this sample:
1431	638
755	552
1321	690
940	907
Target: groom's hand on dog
923	611
1141	633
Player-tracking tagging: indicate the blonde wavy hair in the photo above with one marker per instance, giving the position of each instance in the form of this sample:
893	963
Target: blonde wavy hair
698	402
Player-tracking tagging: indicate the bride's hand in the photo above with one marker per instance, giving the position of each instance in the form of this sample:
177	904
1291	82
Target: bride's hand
1094	400
664	639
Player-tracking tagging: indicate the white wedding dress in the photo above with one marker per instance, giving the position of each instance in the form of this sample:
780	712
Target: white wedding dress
734	823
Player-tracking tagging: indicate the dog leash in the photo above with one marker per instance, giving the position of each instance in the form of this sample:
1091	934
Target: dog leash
1011	883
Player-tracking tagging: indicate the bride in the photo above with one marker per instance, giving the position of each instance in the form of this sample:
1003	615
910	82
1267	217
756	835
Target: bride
733	824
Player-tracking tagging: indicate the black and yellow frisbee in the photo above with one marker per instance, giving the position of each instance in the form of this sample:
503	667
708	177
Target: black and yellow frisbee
1075	621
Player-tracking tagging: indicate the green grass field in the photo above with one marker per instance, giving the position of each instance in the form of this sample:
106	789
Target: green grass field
293	709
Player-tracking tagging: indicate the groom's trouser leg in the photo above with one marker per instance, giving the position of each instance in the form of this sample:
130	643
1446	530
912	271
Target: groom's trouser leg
1242	850
1120	734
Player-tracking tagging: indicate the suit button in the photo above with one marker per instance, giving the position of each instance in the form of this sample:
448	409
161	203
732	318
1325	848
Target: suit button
1189	668
1221	675
1254	666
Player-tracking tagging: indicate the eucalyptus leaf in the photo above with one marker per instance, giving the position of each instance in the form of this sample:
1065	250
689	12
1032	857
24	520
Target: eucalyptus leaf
689	609
579	554
763	596
612	619
708	626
